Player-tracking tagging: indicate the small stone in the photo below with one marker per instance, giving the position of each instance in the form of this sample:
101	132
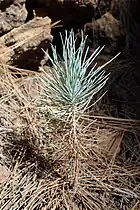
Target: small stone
4	174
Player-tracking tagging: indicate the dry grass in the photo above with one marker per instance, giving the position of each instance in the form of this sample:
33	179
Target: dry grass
91	162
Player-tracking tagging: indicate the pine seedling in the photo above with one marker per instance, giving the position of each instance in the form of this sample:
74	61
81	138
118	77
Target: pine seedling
67	85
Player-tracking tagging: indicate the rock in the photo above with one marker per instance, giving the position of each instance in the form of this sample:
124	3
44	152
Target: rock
13	17
105	31
4	174
5	4
22	46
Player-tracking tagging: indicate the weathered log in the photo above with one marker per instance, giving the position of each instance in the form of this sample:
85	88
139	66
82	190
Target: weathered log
22	46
